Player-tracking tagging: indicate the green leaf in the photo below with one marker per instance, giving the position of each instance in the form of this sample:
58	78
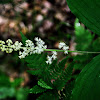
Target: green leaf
36	89
87	86
83	36
48	96
88	12
16	82
6	92
64	77
22	94
43	84
4	81
23	37
68	90
37	60
62	63
34	72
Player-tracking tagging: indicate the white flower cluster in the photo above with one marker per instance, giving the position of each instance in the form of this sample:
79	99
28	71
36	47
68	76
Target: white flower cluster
40	46
9	46
30	48
51	58
63	46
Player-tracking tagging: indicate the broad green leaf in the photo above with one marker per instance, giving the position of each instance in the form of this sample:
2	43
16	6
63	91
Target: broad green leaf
88	12
87	86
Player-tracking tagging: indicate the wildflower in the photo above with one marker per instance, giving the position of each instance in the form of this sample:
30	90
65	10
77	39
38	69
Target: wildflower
53	57
61	44
31	48
3	48
17	45
29	43
9	50
1	43
9	42
49	60
40	46
64	47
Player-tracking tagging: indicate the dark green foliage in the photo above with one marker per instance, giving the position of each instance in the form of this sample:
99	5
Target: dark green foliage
88	13
83	36
48	73
6	92
43	84
37	89
68	90
37	61
34	72
10	89
61	64
49	96
64	77
4	80
16	82
87	86
85	43
5	87
52	78
21	94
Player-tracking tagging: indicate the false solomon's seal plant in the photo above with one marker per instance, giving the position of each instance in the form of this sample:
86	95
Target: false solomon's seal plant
52	75
35	48
54	80
31	48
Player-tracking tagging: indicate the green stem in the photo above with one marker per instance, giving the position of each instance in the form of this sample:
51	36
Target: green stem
57	50
69	51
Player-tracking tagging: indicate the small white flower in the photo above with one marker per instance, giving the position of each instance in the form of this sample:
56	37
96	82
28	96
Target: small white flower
45	47
17	45
29	43
9	41
54	52
36	39
64	47
1	43
65	52
54	57
3	48
61	44
49	60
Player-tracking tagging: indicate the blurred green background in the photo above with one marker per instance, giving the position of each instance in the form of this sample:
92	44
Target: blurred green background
50	20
